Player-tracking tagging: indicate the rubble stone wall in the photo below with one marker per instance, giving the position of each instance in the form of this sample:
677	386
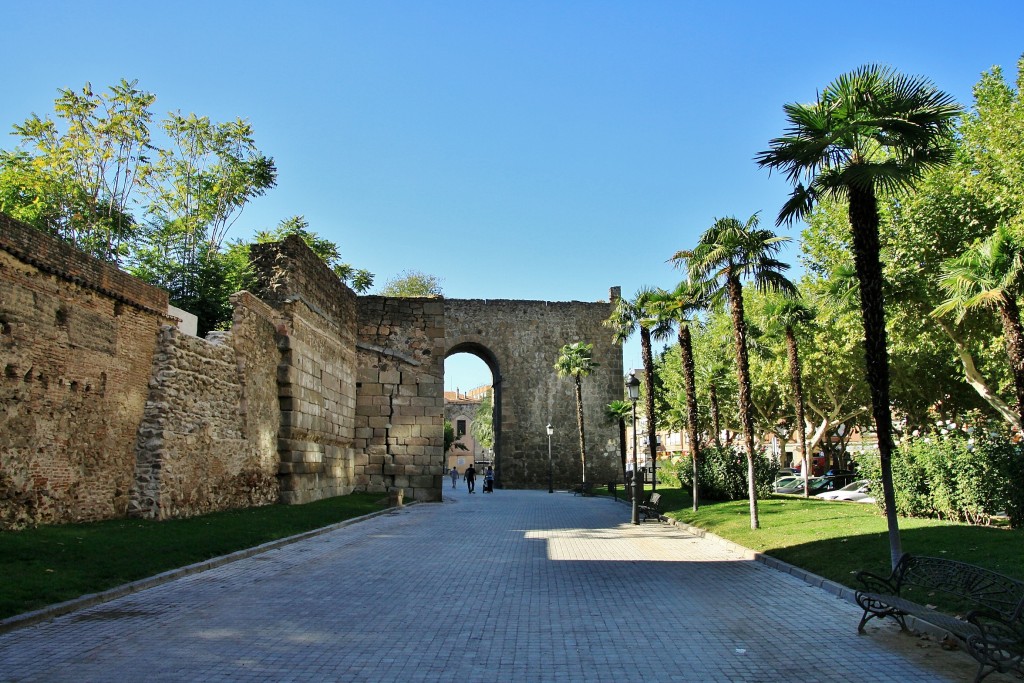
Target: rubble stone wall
208	439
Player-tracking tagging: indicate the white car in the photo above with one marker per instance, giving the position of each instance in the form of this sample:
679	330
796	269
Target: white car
858	491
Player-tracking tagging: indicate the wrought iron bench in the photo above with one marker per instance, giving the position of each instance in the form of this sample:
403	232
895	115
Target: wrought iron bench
652	508
584	489
991	628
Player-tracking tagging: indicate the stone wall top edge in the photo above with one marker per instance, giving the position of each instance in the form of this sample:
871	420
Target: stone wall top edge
489	302
53	256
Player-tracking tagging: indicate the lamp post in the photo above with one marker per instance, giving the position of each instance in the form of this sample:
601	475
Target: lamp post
633	387
551	488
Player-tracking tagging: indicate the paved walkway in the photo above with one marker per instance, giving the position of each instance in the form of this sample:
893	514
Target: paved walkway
514	586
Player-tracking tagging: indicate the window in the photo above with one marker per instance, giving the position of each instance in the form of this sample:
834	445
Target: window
460	428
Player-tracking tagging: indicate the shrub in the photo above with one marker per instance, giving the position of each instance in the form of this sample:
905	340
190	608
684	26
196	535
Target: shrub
722	473
956	475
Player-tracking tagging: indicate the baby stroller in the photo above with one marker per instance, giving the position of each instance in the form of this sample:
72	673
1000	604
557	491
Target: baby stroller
488	486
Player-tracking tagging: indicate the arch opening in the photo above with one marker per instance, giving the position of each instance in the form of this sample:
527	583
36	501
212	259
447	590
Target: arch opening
472	382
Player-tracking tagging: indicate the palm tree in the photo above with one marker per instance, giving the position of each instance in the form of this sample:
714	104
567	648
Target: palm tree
634	315
728	252
989	275
576	361
681	307
785	314
871	130
616	413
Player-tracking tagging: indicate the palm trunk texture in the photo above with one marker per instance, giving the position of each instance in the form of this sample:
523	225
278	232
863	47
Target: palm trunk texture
1009	312
652	442
866	255
579	422
689	379
798	400
739	327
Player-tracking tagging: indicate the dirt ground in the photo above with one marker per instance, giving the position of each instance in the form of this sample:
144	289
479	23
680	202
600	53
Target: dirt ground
946	659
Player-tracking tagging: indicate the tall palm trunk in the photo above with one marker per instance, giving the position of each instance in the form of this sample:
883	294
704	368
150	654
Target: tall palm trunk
622	446
863	214
798	399
689	379
579	422
648	360
716	420
739	327
1009	312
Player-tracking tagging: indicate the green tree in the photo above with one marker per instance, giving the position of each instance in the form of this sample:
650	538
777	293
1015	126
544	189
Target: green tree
412	283
870	130
77	177
576	361
681	306
617	412
638	315
989	275
451	441
726	253
482	428
783	315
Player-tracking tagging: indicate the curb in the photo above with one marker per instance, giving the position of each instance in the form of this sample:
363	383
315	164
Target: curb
90	600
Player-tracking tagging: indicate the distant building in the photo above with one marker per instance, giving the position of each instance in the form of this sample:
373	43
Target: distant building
460	409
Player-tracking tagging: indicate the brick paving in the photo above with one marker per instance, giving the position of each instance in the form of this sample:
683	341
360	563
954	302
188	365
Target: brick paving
514	586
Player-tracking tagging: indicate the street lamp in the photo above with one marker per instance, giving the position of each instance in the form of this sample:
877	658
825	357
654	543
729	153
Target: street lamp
551	488
633	387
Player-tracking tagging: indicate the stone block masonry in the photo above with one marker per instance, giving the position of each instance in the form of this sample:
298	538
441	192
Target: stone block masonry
108	410
399	417
315	333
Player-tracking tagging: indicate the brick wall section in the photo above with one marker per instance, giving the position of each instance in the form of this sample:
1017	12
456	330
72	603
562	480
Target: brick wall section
52	256
400	407
316	377
208	439
76	343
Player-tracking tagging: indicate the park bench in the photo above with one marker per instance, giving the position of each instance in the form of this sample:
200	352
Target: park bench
991	627
584	489
652	508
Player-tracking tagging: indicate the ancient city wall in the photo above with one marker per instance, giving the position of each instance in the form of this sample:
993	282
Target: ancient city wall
208	439
400	406
316	335
77	338
107	409
520	340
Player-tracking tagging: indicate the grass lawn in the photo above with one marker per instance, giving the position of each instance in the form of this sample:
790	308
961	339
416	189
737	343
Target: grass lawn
50	564
836	539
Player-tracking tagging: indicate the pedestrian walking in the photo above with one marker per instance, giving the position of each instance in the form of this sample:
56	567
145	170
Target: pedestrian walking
470	477
455	476
489	480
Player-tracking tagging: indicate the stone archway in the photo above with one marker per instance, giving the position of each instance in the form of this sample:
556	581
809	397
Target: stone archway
519	342
477	348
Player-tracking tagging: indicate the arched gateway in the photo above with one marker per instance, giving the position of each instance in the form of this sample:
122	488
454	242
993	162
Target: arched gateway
519	342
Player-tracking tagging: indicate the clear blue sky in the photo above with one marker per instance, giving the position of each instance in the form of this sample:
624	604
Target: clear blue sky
517	149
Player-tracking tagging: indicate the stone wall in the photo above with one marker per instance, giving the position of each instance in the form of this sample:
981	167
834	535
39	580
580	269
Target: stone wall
76	344
400	407
208	440
316	335
519	340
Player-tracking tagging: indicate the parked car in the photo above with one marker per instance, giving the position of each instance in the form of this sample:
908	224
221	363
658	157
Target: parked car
858	491
816	484
787	482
